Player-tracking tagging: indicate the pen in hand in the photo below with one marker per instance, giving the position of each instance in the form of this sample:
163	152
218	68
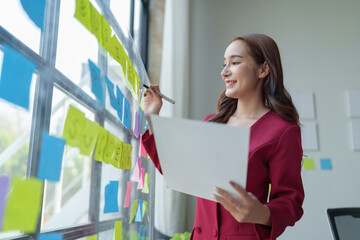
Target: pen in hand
159	93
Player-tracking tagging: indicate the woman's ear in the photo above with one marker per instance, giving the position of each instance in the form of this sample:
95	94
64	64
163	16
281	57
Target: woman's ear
264	70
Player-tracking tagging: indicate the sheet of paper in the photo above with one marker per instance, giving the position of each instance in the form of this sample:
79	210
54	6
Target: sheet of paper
304	103
35	9
309	138
111	197
16	75
210	154
4	187
51	155
23	205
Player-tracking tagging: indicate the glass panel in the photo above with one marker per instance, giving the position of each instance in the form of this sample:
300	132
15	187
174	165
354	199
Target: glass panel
137	11
76	45
121	11
66	203
14	19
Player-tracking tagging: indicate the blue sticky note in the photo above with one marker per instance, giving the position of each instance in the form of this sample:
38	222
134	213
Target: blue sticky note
143	233
35	9
4	186
16	74
96	83
110	87
325	163
138	236
120	103
138	216
127	114
50	236
111	197
140	119
51	155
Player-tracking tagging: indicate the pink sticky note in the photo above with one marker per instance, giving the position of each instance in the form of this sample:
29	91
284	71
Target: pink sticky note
136	173
142	178
128	194
136	127
142	152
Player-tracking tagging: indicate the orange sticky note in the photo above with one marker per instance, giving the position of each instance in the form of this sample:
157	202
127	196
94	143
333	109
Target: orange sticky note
73	128
101	144
89	137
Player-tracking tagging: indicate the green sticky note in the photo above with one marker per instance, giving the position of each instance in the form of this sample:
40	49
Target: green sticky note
118	230
89	137
118	53
23	205
101	144
110	149
106	35
118	152
92	237
125	162
146	184
96	24
308	164
73	128
83	13
133	210
145	209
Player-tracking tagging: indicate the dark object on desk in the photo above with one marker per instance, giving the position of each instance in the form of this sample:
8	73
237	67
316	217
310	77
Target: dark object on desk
344	223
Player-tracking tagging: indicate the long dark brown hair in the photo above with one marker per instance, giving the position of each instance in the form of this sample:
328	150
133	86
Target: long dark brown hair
262	48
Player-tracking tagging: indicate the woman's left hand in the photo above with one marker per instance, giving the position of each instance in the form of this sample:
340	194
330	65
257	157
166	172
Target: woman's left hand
249	209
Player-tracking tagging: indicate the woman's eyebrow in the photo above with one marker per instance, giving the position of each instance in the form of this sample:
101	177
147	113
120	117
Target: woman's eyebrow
234	56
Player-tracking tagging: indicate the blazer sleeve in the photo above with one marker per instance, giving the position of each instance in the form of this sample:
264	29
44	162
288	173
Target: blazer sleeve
148	142
287	193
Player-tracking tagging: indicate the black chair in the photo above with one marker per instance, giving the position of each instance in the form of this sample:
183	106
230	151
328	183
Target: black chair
344	223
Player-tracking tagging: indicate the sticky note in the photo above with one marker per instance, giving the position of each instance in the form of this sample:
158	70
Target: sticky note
35	9
133	210
125	161
142	152
145	209
146	184
136	173
101	144
118	53
16	75
89	137
110	87
73	128
83	13
308	164
142	179
92	237
106	35
4	187
139	234
118	230
51	155
111	194
96	24
96	82
140	119
50	236
136	125
139	211
128	194
23	205
143	235
116	161
325	163
120	103
127	114
110	149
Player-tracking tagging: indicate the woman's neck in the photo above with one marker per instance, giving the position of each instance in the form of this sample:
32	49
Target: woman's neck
253	109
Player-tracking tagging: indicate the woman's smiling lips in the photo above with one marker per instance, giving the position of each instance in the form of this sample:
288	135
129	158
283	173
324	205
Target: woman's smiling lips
230	83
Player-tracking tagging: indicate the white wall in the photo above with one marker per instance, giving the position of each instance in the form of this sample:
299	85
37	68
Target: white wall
319	43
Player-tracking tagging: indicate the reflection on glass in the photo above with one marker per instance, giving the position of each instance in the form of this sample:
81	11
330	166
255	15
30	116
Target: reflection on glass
121	12
14	19
66	203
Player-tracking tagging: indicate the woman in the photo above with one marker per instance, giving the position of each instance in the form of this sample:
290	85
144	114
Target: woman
254	97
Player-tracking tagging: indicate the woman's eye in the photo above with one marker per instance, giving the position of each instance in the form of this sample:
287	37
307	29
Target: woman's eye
235	63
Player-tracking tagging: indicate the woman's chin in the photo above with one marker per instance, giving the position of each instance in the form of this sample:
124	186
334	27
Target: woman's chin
230	94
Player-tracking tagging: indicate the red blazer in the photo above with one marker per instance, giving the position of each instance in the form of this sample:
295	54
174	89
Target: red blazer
275	155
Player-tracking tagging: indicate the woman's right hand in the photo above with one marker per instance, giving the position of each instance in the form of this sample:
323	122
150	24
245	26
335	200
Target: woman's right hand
152	101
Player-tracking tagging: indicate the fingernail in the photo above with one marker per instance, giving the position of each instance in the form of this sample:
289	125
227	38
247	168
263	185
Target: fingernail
216	189
213	196
232	183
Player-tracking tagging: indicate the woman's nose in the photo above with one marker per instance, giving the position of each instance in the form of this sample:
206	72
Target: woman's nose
225	72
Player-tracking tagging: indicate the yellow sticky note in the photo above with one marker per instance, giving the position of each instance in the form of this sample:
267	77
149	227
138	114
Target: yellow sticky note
101	144
118	230
146	184
73	128
145	209
125	162
83	13
118	152
96	24
110	149
89	137
23	205
92	237
118	53
106	35
133	210
308	164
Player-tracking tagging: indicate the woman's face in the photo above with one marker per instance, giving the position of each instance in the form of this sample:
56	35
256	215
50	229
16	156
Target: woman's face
240	73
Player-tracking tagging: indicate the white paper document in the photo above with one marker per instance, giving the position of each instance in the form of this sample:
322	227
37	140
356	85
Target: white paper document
195	156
